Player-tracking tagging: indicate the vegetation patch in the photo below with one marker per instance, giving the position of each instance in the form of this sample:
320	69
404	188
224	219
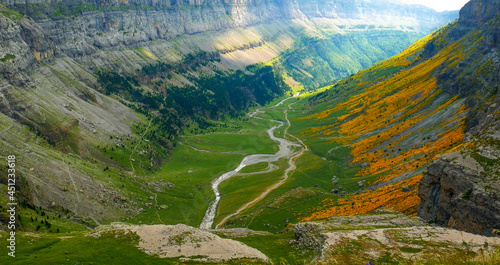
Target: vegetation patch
8	57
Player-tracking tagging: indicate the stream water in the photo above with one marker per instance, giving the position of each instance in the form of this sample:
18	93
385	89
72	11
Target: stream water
285	150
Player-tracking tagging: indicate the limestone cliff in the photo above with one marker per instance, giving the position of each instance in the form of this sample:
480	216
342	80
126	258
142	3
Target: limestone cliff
377	13
454	193
82	27
23	44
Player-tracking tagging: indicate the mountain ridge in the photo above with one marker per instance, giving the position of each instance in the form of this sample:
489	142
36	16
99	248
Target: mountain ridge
171	20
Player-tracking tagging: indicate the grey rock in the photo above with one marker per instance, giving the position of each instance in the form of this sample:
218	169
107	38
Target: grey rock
335	180
109	27
309	236
451	194
361	183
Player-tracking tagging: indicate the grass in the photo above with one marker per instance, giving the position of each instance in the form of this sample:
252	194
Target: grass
410	250
76	248
7	58
146	53
255	168
188	200
278	248
10	14
251	142
242	189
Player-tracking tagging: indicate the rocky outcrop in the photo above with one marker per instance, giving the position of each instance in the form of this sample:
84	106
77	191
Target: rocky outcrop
309	236
477	12
24	43
170	241
453	194
411	245
376	13
360	239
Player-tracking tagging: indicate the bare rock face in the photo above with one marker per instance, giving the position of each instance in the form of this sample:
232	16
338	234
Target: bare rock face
360	239
452	193
115	24
192	244
24	43
309	236
478	12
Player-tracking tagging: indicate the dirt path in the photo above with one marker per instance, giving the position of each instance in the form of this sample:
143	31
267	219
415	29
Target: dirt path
133	171
211	151
135	147
77	193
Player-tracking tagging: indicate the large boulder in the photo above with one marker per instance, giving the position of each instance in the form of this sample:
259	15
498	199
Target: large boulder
454	193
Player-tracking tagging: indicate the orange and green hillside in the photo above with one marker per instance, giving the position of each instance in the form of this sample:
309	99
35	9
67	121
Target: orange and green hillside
394	119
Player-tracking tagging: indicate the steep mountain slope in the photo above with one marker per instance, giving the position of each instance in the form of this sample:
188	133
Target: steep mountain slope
440	96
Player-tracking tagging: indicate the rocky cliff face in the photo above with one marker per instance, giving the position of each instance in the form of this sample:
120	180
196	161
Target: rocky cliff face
23	44
81	28
376	13
454	193
478	12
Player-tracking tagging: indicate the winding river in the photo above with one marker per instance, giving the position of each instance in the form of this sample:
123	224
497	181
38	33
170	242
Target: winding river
285	150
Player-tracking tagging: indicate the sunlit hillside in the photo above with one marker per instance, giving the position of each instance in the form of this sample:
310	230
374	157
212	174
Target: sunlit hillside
397	117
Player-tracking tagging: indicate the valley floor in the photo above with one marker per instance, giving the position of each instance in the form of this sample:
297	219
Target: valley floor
259	215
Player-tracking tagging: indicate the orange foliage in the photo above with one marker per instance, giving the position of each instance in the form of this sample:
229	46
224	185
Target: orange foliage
381	113
417	157
391	107
390	197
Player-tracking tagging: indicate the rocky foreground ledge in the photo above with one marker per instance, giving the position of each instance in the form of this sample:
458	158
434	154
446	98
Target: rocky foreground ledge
384	236
192	244
392	238
456	192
